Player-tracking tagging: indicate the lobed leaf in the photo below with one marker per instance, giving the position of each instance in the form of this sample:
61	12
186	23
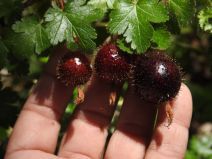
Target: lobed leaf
132	20
70	26
7	7
110	3
21	45
205	15
34	31
123	47
58	26
183	9
162	38
89	12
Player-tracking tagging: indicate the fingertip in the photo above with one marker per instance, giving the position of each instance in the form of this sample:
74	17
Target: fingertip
186	93
182	106
171	142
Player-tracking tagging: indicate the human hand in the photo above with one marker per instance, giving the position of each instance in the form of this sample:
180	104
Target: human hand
36	131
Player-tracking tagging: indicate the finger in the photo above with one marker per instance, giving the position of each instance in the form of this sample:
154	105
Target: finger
31	154
86	135
134	129
37	126
172	142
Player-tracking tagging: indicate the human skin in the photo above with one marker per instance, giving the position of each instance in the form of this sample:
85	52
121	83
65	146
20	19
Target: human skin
36	131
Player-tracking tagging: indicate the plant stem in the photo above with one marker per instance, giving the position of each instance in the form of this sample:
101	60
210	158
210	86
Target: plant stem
61	4
101	24
134	1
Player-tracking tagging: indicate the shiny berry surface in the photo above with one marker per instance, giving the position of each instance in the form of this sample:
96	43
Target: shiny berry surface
111	64
156	77
73	69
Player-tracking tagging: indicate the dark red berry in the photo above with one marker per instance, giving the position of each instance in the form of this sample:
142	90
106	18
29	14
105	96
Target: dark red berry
111	64
73	69
156	77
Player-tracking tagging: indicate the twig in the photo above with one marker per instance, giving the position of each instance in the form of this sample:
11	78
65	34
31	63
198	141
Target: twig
101	24
61	4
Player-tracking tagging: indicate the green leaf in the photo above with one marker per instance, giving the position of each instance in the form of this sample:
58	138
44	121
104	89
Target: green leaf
205	16
162	38
153	11
31	28
3	54
41	39
202	145
7	7
58	26
65	25
132	20
103	4
85	33
21	45
26	25
123	47
3	134
190	155
90	12
110	3
35	66
183	9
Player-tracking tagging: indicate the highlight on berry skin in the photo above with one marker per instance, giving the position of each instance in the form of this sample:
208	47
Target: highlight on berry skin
156	77
111	64
73	69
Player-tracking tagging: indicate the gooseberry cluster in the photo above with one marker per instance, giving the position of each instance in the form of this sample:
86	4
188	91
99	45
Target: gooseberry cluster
154	76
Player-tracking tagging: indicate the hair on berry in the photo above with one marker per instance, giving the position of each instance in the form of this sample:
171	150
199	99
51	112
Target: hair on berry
73	69
156	77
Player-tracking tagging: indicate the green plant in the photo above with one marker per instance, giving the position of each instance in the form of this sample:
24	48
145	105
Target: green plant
200	147
36	26
30	29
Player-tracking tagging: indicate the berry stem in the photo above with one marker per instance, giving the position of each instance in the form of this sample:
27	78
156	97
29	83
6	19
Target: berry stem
114	38
107	40
134	1
101	24
110	39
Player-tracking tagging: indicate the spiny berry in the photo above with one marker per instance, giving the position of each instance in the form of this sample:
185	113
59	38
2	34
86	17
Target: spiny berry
111	64
156	77
73	69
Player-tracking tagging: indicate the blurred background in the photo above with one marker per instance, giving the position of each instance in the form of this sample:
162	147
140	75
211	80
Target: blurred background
192	49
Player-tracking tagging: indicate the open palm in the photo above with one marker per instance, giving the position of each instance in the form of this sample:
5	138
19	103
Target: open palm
36	131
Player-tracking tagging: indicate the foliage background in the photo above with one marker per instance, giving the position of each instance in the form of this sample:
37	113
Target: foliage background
25	45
